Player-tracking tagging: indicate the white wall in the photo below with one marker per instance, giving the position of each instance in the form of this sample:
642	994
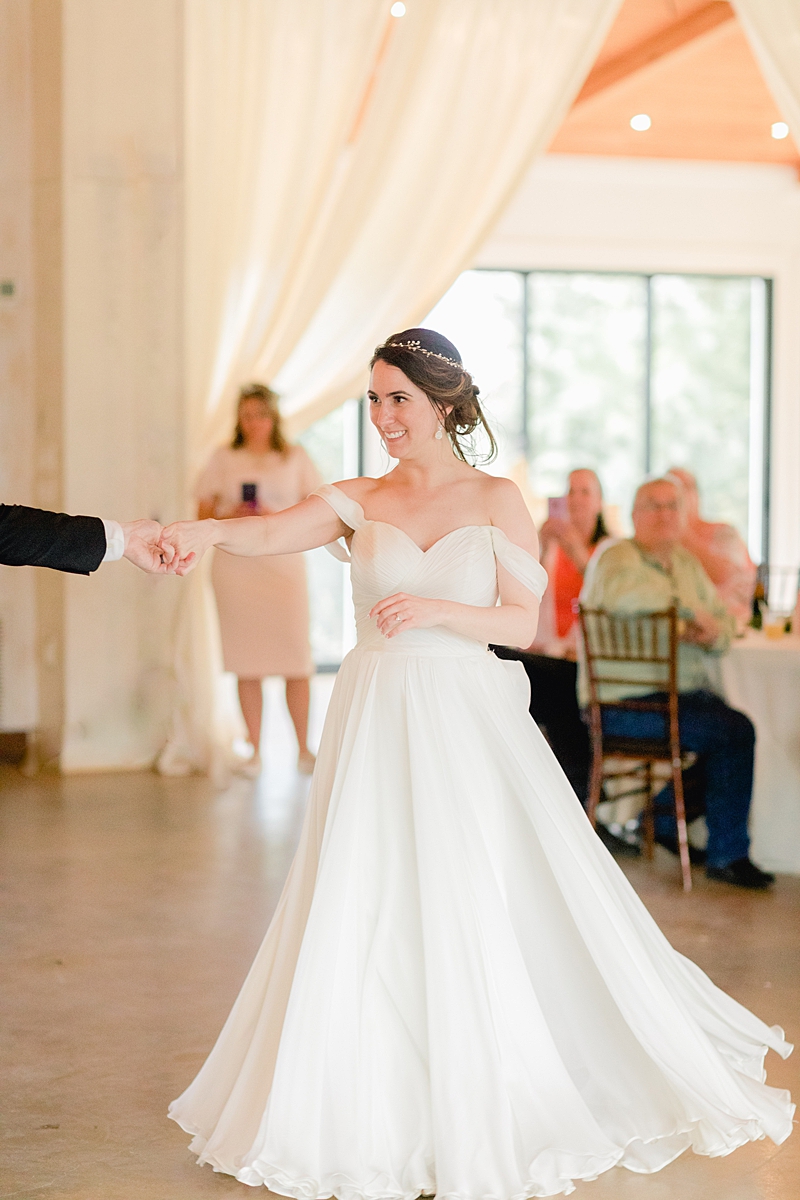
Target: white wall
656	215
18	679
123	454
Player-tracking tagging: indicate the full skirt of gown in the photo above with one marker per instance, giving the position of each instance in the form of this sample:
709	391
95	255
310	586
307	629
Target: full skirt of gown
459	992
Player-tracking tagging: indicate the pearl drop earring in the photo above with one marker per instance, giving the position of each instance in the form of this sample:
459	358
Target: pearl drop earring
438	434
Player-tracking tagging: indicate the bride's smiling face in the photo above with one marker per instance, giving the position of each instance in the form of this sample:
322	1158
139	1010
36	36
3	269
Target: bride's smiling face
400	411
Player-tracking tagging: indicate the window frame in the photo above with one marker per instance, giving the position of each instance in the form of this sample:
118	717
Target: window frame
760	422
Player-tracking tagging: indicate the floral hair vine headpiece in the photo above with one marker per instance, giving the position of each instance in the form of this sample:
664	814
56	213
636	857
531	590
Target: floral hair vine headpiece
417	347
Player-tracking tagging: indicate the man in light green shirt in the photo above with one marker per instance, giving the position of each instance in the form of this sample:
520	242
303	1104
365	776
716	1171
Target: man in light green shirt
648	573
631	578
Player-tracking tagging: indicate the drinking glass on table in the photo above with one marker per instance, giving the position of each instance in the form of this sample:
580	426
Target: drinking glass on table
775	623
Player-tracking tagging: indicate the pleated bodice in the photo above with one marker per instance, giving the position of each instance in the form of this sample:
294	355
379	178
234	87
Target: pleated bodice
461	566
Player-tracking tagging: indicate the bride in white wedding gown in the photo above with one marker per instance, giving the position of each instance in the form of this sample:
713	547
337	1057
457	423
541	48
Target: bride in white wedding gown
459	992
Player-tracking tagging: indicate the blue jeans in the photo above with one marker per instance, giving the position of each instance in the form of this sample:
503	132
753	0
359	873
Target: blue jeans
725	740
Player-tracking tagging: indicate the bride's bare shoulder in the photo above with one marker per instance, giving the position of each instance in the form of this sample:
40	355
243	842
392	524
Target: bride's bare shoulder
499	493
509	512
358	489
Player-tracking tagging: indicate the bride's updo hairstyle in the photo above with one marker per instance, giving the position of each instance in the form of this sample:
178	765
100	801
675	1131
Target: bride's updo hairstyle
434	365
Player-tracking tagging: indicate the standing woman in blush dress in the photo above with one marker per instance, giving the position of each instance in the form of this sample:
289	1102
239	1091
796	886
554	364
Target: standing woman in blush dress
262	601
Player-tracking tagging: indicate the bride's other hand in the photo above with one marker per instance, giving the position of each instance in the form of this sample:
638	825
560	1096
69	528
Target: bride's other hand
186	542
401	611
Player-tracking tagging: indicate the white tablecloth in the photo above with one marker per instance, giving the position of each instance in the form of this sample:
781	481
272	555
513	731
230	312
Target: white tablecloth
762	678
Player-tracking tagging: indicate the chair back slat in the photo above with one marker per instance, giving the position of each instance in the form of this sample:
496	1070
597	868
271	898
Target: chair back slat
613	642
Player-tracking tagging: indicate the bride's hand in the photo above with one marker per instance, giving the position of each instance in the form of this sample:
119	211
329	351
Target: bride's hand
401	611
186	542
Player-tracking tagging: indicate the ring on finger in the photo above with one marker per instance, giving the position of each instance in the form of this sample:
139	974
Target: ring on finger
398	618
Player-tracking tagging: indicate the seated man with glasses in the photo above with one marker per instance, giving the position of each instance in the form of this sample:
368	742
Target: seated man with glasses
648	573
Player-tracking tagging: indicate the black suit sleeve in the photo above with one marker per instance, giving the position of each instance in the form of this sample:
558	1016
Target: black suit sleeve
35	538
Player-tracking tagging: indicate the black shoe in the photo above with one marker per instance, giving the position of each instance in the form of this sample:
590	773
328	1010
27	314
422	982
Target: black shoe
741	873
696	855
620	847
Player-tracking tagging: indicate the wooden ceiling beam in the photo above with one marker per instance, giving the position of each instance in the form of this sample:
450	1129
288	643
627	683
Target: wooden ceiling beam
673	37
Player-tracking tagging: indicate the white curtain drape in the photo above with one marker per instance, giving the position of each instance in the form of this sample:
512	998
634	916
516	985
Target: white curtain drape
342	168
470	91
273	89
773	30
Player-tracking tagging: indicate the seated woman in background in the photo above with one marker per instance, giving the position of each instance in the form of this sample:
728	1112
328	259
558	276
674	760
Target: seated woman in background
568	544
262	602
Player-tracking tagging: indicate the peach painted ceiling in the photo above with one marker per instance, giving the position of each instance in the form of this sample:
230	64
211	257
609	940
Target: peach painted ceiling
689	67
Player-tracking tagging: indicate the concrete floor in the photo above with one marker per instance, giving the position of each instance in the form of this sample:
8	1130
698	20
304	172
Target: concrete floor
131	909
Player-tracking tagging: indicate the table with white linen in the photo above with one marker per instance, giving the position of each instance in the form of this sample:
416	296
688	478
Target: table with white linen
762	678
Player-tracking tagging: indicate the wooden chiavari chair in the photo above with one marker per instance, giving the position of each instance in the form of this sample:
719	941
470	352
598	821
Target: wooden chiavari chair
612	643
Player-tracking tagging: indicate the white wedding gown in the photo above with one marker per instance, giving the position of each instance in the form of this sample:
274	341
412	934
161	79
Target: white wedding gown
460	992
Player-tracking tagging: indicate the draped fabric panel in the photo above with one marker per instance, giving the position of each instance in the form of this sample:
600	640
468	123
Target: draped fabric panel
469	92
773	30
342	168
272	91
273	88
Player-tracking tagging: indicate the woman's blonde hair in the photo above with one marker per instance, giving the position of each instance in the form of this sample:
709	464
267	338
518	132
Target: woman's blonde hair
259	391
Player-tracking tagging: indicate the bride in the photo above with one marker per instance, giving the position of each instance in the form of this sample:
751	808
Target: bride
459	992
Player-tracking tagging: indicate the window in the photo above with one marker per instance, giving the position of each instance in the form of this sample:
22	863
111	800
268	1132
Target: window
586	337
701	388
629	374
485	311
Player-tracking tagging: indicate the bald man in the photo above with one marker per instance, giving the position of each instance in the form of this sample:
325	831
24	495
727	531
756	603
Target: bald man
648	573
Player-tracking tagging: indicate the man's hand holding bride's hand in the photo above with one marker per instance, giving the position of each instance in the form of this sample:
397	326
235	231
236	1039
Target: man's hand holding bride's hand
143	548
185	542
400	612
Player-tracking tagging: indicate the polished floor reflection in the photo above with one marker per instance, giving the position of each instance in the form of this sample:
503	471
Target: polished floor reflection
131	909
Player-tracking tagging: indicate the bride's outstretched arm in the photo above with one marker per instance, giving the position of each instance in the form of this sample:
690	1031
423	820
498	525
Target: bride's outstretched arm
301	527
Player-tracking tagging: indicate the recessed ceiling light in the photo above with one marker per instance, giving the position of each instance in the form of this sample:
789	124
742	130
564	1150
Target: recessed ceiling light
640	122
780	130
398	9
